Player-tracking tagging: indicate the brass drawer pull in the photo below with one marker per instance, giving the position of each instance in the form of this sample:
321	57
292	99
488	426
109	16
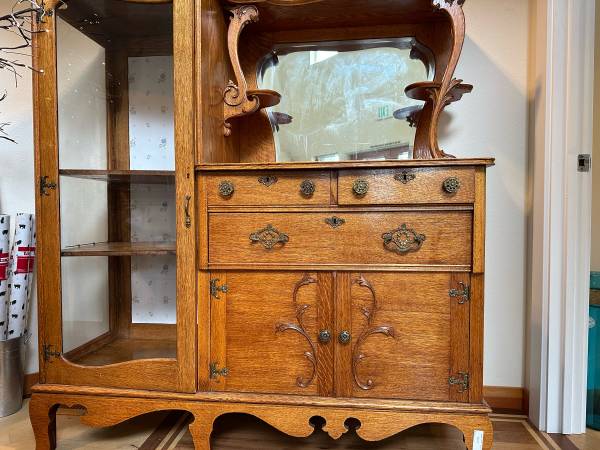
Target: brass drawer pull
268	180
451	185
403	240
324	336
226	188
335	222
360	187
345	337
307	188
269	237
405	177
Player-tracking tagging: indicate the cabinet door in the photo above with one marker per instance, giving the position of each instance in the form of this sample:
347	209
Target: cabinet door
115	152
409	335
265	332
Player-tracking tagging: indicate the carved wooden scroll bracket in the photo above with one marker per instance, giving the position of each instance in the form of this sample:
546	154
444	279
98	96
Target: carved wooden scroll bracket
438	95
238	99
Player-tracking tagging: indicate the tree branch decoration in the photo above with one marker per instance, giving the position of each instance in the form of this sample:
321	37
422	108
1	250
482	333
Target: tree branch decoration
20	22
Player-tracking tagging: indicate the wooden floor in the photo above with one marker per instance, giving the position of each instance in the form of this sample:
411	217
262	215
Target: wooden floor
237	432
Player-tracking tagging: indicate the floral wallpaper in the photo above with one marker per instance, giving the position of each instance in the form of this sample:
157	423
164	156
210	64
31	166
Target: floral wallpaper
151	119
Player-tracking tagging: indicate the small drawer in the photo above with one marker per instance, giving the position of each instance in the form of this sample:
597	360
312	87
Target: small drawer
341	238
406	186
269	189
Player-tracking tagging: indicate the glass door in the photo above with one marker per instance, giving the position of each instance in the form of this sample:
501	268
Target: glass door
119	214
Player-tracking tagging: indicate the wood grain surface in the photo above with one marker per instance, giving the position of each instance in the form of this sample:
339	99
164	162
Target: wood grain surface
358	241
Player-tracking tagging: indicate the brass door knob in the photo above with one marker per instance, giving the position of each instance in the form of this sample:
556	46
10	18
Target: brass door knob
451	185
345	337
226	188
324	336
307	188
360	187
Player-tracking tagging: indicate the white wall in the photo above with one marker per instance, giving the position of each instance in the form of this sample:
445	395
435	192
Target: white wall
16	160
492	121
595	259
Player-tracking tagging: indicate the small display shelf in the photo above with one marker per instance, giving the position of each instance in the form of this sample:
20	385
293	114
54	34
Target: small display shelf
121	249
123	176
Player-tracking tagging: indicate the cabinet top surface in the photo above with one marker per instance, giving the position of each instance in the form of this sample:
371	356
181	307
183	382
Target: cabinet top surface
348	164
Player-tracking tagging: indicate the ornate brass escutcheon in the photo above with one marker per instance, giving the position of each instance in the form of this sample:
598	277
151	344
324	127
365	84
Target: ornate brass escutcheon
307	188
335	221
345	337
226	188
268	180
269	237
360	187
405	177
451	185
403	240
186	211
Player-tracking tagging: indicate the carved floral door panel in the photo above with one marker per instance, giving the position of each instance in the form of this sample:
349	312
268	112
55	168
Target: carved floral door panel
409	335
265	330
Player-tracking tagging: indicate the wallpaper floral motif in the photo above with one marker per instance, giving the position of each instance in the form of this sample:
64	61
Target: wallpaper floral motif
151	119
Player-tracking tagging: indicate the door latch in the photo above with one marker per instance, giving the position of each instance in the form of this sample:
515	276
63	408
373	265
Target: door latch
463	293
215	288
584	163
45	185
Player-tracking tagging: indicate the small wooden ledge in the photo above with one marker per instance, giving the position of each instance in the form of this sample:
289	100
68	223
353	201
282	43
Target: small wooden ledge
426	91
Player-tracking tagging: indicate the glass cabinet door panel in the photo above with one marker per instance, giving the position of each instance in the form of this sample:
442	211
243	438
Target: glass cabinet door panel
117	181
344	100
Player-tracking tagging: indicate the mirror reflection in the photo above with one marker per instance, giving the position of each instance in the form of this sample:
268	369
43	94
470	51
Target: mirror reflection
345	100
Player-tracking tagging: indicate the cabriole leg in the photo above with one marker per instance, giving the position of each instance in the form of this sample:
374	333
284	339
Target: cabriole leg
201	429
43	422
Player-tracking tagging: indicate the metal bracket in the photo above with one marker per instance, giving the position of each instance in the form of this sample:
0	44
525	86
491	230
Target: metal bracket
463	294
215	288
49	353
215	372
45	185
584	163
462	380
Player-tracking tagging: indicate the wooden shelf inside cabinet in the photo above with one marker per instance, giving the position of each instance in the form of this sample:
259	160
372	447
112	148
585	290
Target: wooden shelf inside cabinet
120	350
123	176
121	249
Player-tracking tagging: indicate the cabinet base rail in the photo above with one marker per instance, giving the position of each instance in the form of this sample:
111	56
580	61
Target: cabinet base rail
294	420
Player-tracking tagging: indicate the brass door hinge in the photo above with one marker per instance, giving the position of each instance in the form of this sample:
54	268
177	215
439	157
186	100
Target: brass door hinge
462	380
45	185
215	372
463	294
50	353
215	288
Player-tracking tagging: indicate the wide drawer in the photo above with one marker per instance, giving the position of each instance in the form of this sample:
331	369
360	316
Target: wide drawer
269	188
406	186
346	238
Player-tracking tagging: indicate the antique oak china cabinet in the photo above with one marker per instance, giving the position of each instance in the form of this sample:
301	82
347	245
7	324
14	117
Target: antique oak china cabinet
244	208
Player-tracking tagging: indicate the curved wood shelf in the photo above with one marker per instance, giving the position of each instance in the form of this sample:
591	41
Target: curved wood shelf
122	176
266	97
423	91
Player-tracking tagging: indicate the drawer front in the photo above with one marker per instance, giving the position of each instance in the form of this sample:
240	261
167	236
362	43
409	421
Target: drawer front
346	238
269	189
406	186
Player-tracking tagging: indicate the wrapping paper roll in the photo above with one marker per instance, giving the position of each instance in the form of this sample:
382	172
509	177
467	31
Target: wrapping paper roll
21	263
4	254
